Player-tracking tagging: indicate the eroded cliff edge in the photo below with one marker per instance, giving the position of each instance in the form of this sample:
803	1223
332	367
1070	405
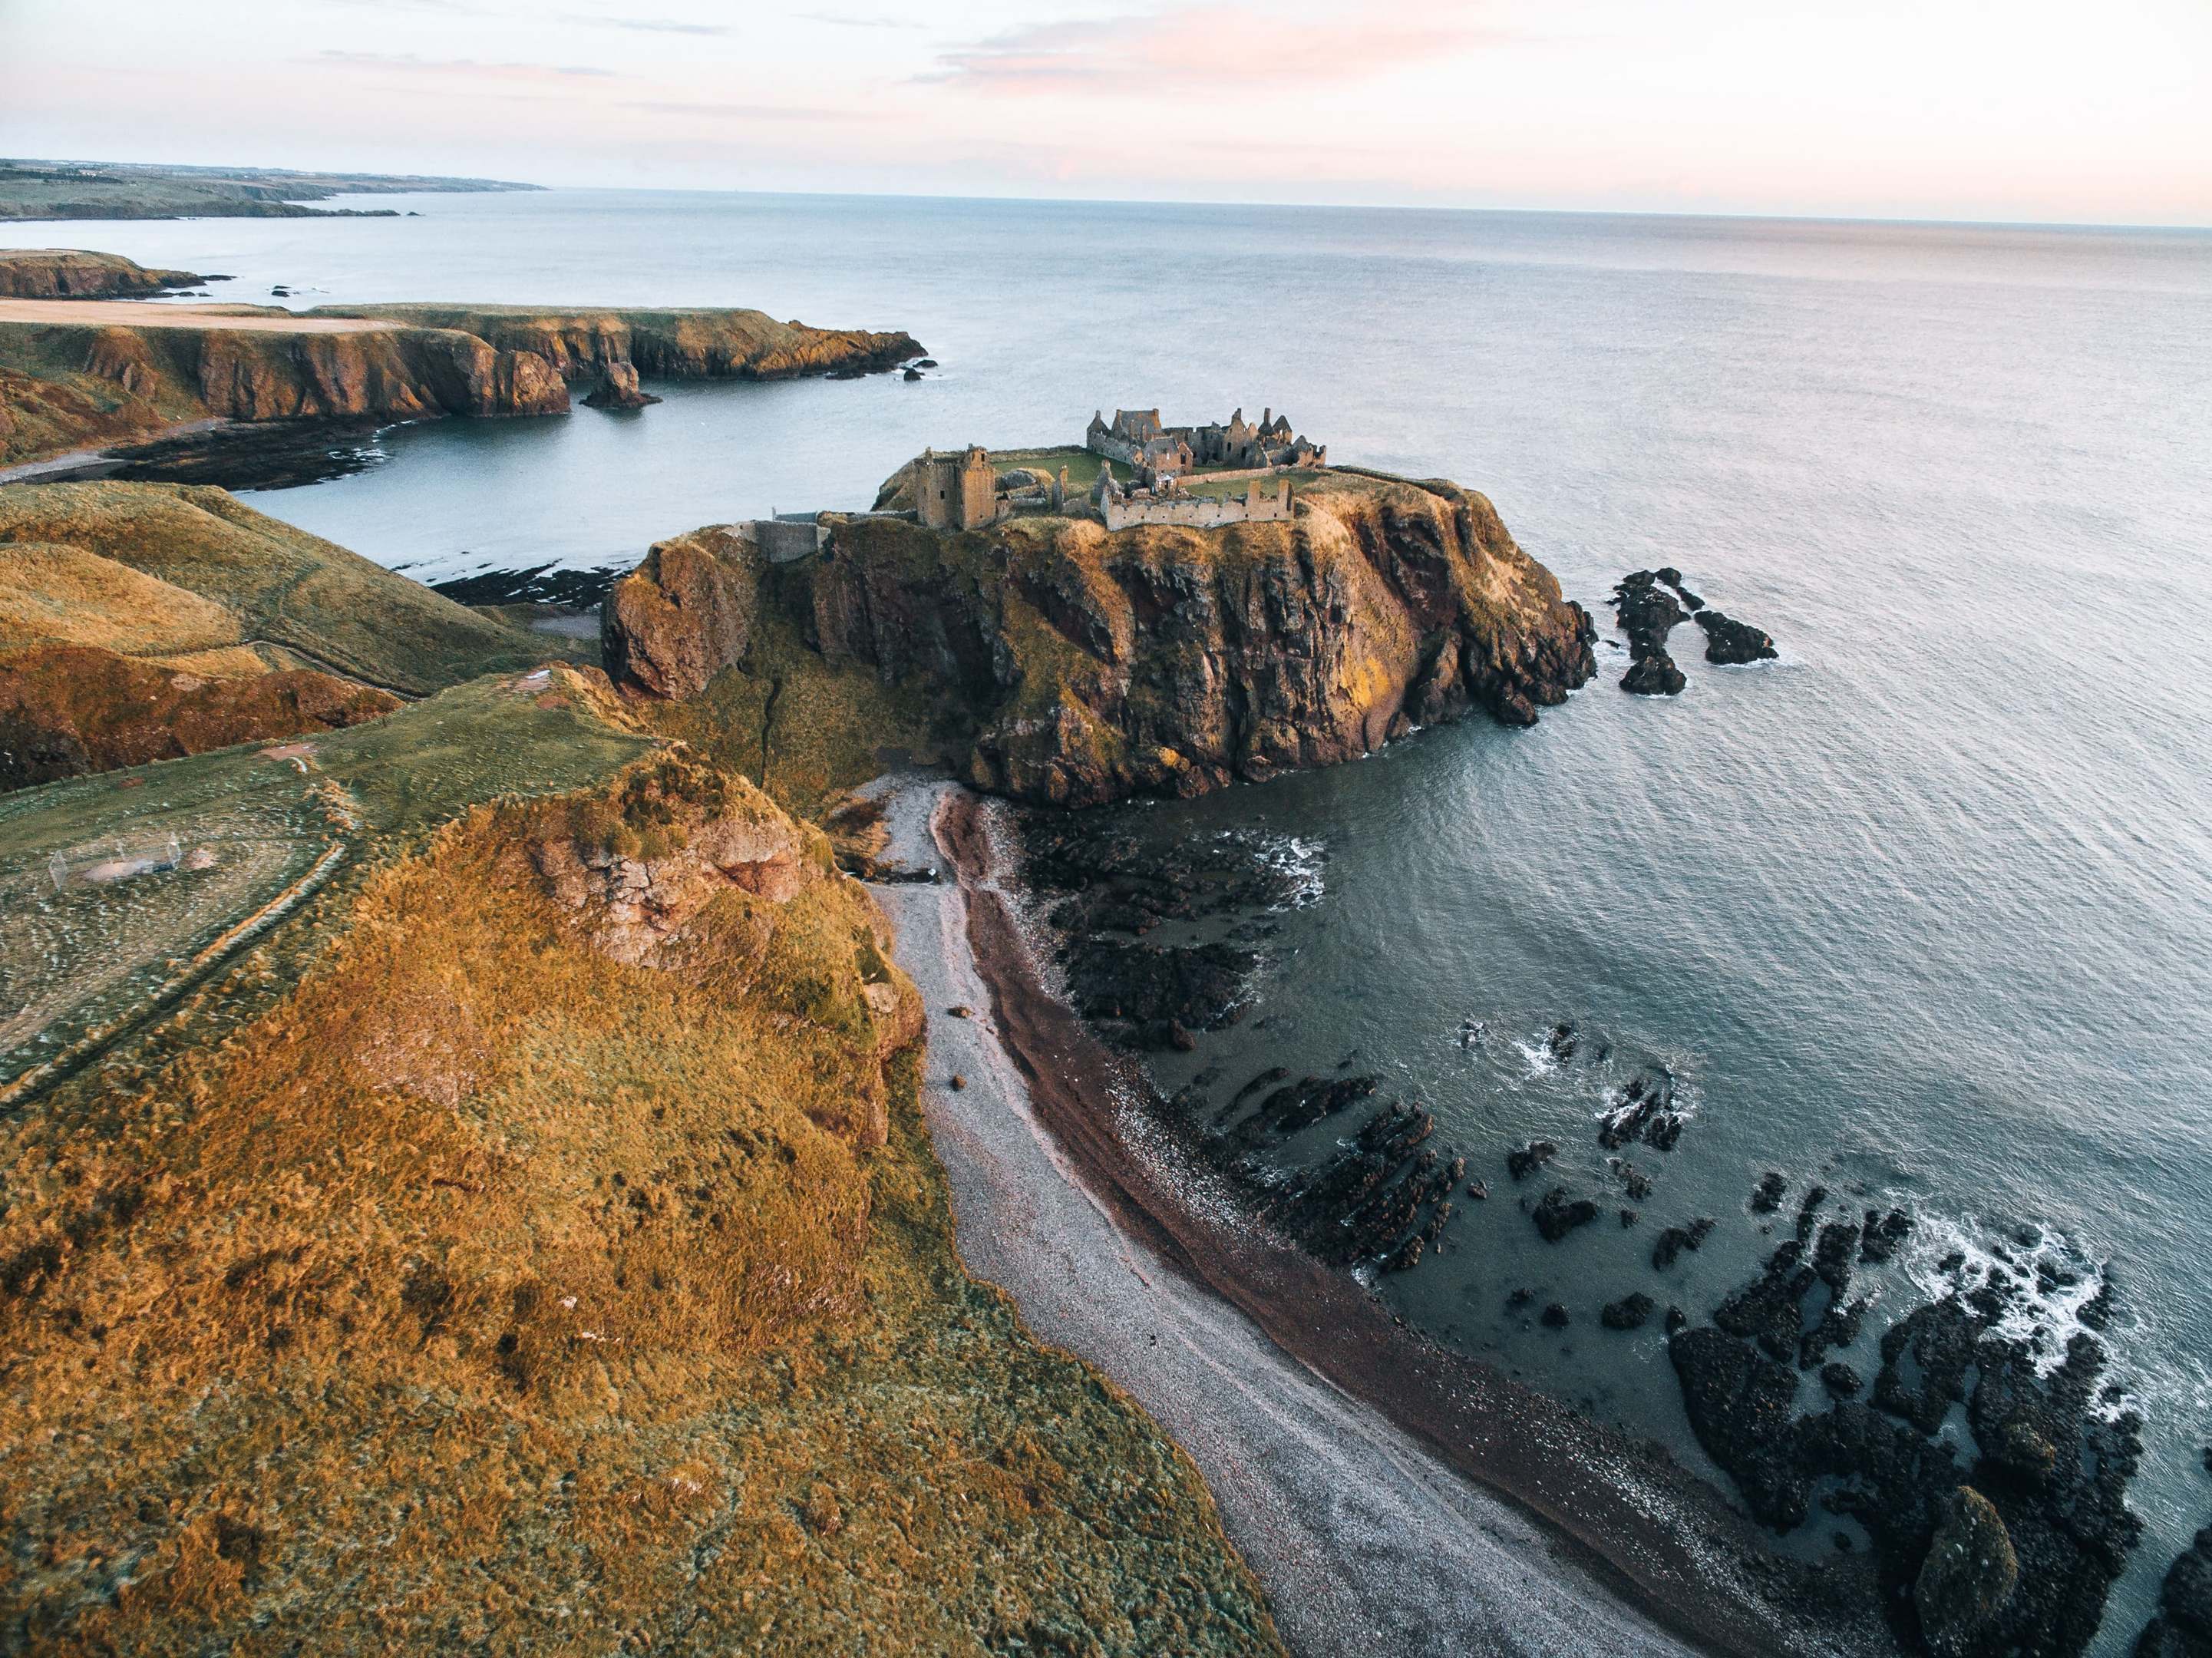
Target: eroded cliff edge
1057	661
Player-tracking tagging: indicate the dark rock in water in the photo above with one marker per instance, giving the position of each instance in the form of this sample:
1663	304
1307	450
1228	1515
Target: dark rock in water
1563	1042
1655	675
1831	1255
1478	1189
1676	1239
1970	1571
1729	641
1739	1406
1556	1215
1924	1361
1631	1312
912	374
618	389
2096	1312
1643	1111
925	363
1633	1180
1628	1217
1296	1106
1840	1380
1519	1299
1808	1211
1882	1235
1370	1196
1839	1326
1554	1317
1529	1158
1768	1310
2182	1627
1677	1321
1768	1197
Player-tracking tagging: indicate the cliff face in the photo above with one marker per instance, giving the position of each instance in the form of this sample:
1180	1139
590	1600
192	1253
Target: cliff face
78	379
64	273
668	344
1092	666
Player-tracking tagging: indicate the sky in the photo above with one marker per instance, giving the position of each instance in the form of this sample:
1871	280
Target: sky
2049	110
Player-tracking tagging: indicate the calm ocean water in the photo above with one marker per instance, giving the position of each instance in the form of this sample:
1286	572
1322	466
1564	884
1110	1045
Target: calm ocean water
1923	910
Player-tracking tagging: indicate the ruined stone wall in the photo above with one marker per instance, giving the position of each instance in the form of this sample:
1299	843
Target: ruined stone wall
1203	512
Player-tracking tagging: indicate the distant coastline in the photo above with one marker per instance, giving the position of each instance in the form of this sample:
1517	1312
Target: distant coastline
35	190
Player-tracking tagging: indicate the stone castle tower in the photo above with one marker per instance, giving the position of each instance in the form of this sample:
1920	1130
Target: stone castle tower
955	492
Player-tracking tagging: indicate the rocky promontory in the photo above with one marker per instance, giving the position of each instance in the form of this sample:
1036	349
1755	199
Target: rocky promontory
76	373
1066	664
66	273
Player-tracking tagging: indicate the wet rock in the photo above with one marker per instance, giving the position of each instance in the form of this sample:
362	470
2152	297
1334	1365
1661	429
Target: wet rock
618	389
2182	1627
1970	1571
1554	1317
1882	1235
1677	1321
1655	675
1768	1309
1519	1299
1739	1406
1729	641
1562	1042
1643	1111
1924	1361
1527	1159
1556	1214
1633	1180
1840	1380
1676	1239
1631	1312
1768	1197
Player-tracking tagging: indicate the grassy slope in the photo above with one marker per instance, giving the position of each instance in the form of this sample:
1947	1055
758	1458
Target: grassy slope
331	608
283	1344
47	189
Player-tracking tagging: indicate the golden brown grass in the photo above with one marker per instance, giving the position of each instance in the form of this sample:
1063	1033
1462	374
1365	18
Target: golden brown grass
334	608
487	1292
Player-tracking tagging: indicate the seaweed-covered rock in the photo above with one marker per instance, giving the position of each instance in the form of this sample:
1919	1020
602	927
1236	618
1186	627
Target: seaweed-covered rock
1970	1571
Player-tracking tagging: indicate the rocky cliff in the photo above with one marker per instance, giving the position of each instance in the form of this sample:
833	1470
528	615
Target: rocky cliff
64	273
666	344
71	379
1081	666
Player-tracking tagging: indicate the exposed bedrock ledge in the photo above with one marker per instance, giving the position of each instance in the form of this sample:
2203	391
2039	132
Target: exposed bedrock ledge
1087	666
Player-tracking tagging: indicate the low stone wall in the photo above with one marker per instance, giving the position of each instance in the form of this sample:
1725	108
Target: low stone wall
783	540
1202	512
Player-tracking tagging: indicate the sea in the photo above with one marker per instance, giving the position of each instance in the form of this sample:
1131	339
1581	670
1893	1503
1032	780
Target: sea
1921	911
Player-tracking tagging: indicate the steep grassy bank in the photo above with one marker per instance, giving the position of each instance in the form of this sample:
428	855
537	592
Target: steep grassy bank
144	621
1056	661
530	1242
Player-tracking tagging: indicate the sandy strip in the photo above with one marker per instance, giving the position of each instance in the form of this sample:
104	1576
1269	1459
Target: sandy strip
137	313
1364	1538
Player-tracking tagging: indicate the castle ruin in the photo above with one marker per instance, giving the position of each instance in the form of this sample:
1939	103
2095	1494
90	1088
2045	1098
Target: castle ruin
1136	438
955	491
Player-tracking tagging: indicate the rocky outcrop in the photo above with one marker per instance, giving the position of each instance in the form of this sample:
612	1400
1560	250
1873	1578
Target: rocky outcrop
69	710
1648	603
1970	1571
2182	1627
683	615
618	389
65	273
1090	666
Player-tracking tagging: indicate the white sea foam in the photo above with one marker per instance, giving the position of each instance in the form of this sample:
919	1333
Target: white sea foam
2045	1321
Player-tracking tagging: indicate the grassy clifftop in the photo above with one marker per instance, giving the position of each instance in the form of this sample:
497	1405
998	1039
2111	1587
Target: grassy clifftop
153	570
144	621
527	1269
681	343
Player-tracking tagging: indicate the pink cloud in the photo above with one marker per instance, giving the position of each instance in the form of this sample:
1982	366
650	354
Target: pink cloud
1216	44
